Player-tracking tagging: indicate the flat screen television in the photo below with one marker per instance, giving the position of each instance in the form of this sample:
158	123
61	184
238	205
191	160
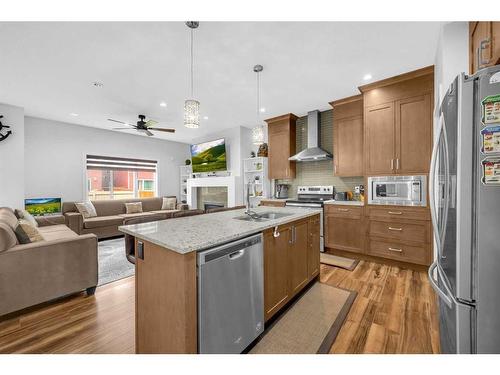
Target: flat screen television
43	206
209	156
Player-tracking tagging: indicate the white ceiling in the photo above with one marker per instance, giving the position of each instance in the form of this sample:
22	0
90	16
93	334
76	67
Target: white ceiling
48	68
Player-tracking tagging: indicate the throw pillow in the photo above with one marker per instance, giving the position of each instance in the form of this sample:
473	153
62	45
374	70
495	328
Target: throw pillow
87	209
133	208
27	233
23	214
169	203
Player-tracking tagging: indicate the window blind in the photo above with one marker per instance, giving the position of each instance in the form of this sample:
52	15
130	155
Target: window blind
120	164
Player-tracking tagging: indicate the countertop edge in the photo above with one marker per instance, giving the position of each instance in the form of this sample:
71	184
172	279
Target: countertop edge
282	221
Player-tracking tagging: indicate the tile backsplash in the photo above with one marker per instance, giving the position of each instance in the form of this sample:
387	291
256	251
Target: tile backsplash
319	172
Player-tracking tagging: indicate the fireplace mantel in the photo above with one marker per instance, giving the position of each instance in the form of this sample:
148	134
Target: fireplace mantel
233	184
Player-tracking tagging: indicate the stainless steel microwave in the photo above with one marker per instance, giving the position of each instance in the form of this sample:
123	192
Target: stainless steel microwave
398	190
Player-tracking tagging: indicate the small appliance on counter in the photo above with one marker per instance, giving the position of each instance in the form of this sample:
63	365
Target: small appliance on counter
282	191
341	196
359	193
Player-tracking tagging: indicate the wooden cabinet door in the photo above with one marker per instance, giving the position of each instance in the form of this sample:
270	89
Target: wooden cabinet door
276	288
379	139
279	152
481	45
297	257
348	147
413	135
313	251
495	42
345	233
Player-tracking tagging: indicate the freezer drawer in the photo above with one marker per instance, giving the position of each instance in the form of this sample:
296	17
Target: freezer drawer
230	296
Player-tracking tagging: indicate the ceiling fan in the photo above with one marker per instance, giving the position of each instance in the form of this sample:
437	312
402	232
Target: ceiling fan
143	126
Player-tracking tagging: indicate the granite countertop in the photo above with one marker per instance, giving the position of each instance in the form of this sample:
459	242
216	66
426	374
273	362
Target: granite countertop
345	203
194	233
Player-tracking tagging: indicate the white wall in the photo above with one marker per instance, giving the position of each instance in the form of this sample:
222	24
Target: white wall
55	157
12	158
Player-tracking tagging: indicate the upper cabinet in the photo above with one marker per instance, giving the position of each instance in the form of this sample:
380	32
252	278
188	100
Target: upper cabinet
348	136
281	142
398	123
484	45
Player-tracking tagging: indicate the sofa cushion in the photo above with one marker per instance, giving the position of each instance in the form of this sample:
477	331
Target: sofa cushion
23	214
102	221
167	214
8	217
142	214
133	208
7	237
56	232
87	209
169	203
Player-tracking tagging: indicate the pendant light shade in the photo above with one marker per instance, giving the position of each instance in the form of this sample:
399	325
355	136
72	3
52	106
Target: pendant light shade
192	114
258	135
192	106
258	131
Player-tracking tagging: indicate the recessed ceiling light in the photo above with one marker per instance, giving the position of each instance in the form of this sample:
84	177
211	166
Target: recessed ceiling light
163	104
97	84
262	110
205	117
74	114
366	77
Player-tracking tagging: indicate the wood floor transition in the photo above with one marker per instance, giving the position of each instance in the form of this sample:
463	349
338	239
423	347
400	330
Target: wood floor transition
395	312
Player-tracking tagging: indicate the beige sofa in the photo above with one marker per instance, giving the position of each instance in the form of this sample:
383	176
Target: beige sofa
111	214
62	264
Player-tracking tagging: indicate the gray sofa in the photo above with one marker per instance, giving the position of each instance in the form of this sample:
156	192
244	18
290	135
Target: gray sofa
112	213
63	263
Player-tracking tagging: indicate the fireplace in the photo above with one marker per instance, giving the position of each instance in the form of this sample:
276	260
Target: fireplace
209	205
211	197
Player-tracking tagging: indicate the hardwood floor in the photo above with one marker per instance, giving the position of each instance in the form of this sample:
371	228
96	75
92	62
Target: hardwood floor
394	312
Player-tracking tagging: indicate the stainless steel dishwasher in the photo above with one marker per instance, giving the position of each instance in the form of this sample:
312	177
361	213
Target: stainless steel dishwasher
230	296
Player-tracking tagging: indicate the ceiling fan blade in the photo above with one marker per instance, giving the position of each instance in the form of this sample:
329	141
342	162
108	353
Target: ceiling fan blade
150	123
120	122
122	129
146	132
164	130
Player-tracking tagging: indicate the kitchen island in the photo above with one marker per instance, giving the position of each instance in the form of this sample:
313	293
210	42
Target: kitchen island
166	268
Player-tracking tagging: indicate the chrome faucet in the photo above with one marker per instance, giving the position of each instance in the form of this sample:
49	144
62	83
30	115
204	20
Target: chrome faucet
248	211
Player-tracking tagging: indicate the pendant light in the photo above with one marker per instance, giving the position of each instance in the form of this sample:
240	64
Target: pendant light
258	131
192	106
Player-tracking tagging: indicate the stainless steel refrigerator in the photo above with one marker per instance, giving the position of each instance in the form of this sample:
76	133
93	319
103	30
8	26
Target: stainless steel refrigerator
464	186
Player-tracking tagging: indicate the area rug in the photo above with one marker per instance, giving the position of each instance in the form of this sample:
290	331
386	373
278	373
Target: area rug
113	264
310	325
341	262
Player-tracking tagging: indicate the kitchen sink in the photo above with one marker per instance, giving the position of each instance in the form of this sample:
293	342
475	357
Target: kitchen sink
263	216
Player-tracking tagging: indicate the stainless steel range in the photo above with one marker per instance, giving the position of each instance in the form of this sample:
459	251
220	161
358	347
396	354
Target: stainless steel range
313	197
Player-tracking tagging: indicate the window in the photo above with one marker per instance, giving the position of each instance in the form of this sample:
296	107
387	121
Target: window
120	178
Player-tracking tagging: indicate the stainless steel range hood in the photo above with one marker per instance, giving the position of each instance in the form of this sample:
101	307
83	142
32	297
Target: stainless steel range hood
313	152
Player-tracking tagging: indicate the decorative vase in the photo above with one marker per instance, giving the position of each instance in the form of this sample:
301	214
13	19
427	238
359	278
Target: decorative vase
188	162
262	150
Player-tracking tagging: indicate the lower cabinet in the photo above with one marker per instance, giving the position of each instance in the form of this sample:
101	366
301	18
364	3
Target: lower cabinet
291	260
345	228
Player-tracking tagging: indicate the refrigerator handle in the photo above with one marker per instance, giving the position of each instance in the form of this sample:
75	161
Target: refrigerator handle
446	299
446	182
432	182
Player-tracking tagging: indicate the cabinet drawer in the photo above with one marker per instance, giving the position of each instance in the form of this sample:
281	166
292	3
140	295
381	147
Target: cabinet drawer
399	231
351	212
399	251
398	213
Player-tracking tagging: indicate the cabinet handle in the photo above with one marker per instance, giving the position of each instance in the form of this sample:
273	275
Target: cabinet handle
395	250
395	229
140	250
392	164
335	168
397	163
395	213
343	209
